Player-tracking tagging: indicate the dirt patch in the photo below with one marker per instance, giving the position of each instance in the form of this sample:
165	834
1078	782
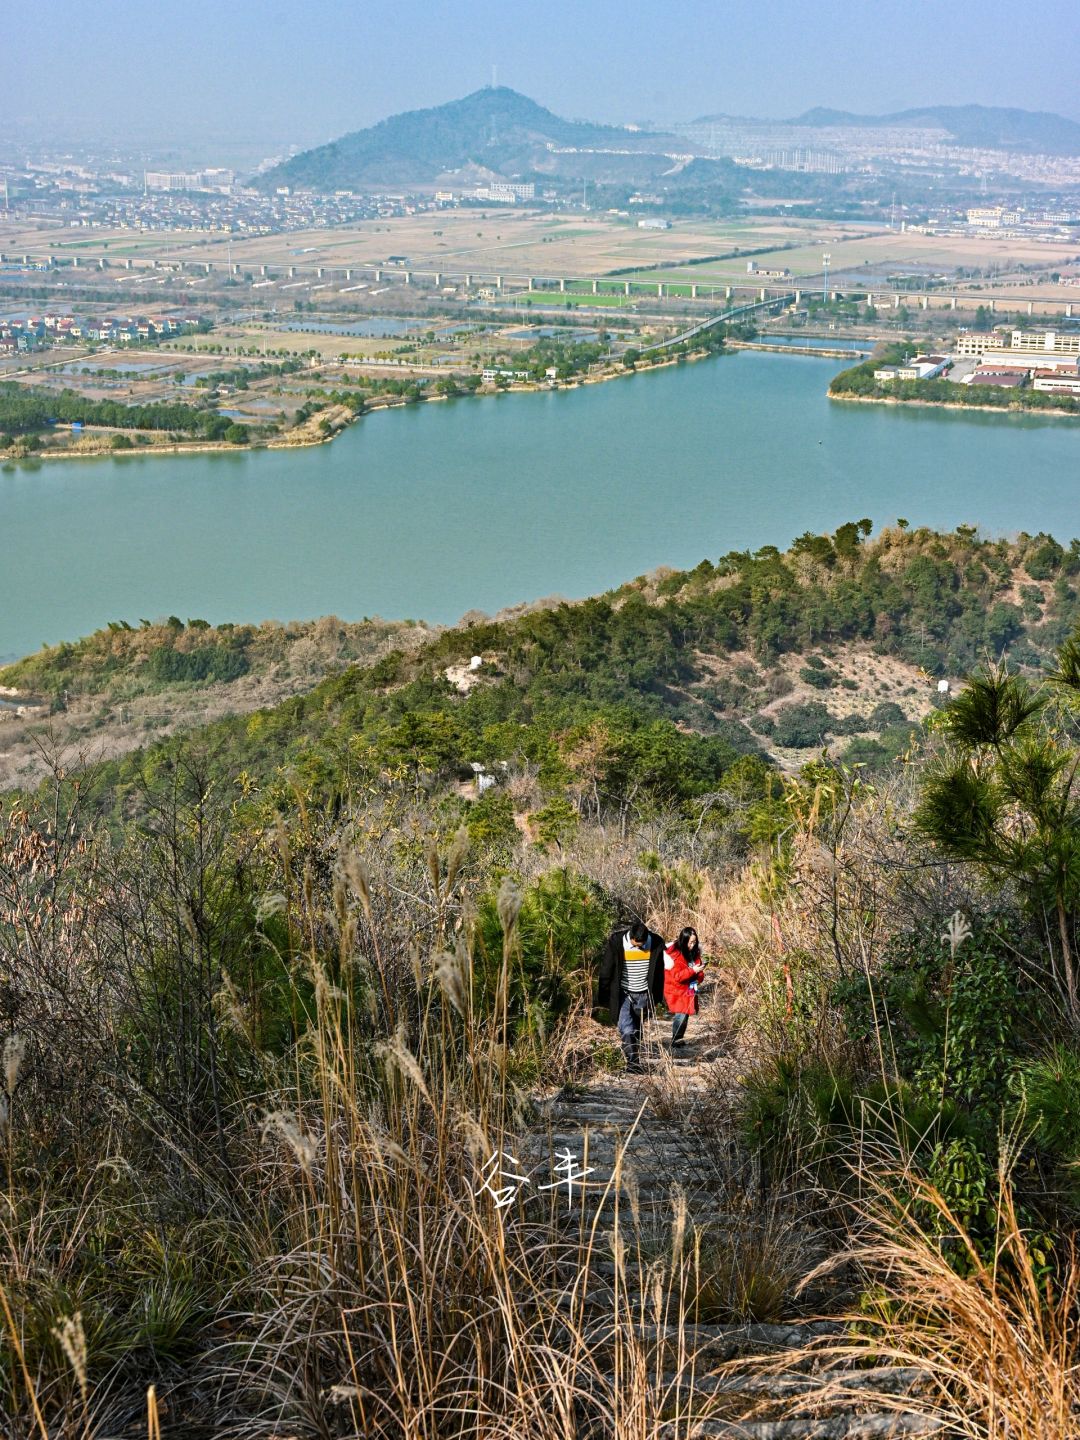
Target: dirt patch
467	676
98	725
875	678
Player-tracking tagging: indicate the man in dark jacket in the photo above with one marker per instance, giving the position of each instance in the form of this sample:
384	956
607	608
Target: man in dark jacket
631	982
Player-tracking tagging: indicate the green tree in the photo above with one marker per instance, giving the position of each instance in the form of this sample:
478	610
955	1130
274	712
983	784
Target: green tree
1003	795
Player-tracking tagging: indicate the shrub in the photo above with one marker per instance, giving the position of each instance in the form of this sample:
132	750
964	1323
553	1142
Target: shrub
818	676
209	663
884	715
1049	1089
548	951
870	754
490	820
953	1011
850	725
802	727
1046	561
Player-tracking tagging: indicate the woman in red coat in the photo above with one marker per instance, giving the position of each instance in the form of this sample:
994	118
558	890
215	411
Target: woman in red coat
683	969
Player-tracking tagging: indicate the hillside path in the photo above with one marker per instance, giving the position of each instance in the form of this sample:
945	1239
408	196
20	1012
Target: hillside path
650	1139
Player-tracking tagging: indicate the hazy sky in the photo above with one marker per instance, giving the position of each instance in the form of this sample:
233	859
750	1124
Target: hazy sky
307	70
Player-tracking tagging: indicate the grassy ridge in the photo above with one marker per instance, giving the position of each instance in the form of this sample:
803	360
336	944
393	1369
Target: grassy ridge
121	660
636	663
264	1028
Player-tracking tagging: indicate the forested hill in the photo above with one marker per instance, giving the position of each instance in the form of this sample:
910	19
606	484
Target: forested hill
979	126
658	688
494	129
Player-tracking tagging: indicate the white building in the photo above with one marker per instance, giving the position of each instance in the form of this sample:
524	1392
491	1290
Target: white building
1029	348
1049	342
505	192
1057	382
922	367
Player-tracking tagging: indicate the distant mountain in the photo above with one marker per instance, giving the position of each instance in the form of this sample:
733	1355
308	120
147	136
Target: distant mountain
982	127
492	132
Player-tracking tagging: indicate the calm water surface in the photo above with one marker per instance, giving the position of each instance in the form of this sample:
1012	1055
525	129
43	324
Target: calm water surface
437	509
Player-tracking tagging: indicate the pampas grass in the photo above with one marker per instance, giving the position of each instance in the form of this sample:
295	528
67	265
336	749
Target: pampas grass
992	1339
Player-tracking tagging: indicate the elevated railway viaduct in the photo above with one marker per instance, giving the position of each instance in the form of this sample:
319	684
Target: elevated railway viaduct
499	284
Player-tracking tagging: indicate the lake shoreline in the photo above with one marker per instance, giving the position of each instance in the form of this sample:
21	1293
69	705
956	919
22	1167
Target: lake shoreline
458	508
204	447
1006	410
311	440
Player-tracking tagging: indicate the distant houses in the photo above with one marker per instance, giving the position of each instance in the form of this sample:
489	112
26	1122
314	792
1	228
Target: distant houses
38	331
1048	359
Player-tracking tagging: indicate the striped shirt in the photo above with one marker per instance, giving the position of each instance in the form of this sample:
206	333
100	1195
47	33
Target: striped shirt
635	967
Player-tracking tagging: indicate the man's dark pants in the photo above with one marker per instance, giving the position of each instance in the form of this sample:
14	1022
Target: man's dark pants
633	1010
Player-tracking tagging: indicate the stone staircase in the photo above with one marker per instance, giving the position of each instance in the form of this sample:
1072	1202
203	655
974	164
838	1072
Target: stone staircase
718	1380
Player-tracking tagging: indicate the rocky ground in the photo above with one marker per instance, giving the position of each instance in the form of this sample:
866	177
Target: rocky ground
664	1165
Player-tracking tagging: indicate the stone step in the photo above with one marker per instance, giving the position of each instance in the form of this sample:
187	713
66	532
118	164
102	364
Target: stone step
835	1387
718	1341
830	1427
597	1120
661	1143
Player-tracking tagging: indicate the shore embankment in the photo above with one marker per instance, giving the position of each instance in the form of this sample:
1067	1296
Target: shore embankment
326	425
822	352
1011	409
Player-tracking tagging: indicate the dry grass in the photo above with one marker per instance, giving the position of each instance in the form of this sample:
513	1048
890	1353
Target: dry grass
992	1341
379	1289
396	1291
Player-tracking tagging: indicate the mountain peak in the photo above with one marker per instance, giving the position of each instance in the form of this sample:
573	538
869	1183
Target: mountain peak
496	127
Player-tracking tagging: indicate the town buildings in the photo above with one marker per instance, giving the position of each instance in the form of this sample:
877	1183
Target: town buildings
38	331
1038	344
1057	382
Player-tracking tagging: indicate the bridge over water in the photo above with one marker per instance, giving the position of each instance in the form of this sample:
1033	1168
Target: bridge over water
725	318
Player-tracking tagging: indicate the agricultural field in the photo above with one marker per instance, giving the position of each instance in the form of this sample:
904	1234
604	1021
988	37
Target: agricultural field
505	240
267	338
906	252
523	243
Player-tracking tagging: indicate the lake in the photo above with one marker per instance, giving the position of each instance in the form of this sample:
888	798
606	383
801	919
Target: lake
479	503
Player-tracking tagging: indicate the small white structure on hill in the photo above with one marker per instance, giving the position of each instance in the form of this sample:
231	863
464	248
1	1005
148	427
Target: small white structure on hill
484	780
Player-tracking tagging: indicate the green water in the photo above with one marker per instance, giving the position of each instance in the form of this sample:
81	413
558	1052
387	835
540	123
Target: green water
480	503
